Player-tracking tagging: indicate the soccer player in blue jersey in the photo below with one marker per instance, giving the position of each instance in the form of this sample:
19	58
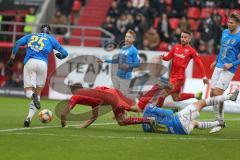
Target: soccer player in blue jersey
226	63
39	46
126	60
183	122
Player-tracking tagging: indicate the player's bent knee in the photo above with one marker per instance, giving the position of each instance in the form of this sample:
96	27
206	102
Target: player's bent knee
28	93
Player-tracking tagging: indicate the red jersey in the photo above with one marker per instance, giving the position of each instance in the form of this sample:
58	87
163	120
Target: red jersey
102	96
181	55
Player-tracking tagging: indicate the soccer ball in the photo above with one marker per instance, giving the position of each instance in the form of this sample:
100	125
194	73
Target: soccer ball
45	116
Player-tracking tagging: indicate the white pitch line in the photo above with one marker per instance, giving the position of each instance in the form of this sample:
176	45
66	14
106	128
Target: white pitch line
95	124
56	126
129	137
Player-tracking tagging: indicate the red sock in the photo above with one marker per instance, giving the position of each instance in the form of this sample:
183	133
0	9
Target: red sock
184	96
135	120
144	100
160	101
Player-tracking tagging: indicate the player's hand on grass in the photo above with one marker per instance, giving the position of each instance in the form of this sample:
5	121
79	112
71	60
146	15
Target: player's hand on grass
227	66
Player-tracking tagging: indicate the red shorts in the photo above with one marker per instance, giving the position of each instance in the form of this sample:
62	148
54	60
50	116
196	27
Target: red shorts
177	85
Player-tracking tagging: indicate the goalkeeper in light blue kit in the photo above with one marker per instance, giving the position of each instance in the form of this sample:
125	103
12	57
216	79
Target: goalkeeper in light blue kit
127	60
226	63
183	122
39	46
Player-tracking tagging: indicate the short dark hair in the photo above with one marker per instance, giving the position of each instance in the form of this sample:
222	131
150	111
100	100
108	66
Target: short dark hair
187	32
143	55
235	16
45	29
132	33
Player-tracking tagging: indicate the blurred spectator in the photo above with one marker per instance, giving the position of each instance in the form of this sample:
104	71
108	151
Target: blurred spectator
109	25
30	19
138	3
114	11
59	19
202	49
0	21
4	74
129	8
17	76
121	25
218	28
131	21
163	28
184	24
196	3
206	30
175	37
152	39
160	7
140	27
64	6
210	4
148	12
178	8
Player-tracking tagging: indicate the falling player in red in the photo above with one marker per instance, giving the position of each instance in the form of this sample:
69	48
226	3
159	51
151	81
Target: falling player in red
101	96
180	55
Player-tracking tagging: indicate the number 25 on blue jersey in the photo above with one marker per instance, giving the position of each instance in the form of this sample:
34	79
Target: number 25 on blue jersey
40	44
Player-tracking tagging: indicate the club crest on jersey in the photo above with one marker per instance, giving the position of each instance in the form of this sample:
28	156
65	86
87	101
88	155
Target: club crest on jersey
180	55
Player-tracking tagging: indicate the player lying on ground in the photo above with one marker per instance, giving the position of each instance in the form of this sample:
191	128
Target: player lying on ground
181	54
183	122
100	96
39	46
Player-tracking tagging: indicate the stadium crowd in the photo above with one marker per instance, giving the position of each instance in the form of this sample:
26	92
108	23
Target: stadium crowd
158	23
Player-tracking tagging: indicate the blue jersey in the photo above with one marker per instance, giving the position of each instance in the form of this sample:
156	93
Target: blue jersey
39	46
167	121
230	50
129	56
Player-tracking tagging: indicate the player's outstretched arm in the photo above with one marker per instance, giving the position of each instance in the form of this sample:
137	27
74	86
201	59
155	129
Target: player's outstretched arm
21	42
169	56
198	60
92	119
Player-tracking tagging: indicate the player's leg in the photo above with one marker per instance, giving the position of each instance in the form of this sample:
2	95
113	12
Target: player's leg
220	82
124	120
207	124
146	98
191	112
177	95
29	75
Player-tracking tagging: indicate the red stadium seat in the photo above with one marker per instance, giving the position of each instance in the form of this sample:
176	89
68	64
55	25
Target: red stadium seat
223	14
194	24
76	6
193	12
163	46
174	22
235	10
204	11
155	23
168	2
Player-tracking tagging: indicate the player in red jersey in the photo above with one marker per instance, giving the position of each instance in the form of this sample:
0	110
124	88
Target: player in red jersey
101	96
180	55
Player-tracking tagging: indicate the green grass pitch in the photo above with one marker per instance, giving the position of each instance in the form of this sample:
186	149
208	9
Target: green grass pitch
106	140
